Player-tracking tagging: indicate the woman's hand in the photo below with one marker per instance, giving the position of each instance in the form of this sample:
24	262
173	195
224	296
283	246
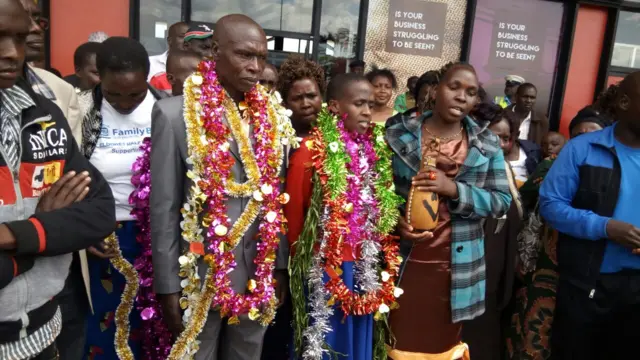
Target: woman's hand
407	232
435	180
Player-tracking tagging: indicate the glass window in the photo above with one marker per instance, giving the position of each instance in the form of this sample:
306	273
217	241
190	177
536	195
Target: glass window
516	38
626	49
284	15
338	34
155	18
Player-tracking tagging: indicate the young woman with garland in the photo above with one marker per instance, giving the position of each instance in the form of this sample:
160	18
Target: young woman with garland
444	272
342	209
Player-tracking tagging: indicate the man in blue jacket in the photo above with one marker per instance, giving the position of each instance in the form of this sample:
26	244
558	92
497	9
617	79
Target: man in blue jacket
591	197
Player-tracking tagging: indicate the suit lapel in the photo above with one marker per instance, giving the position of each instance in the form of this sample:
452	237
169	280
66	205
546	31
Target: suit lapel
233	148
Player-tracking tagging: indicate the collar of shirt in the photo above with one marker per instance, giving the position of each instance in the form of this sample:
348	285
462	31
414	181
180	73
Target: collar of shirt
15	100
528	118
38	85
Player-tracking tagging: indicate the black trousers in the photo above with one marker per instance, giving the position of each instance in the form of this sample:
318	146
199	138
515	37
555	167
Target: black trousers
74	307
605	326
50	353
279	336
484	333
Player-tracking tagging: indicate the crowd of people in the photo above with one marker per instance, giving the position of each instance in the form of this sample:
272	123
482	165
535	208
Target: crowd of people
205	204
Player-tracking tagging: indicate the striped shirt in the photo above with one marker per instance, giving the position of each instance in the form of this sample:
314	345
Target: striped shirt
13	101
30	346
39	86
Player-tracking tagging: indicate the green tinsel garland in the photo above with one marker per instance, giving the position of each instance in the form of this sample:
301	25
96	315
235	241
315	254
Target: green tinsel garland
304	252
336	184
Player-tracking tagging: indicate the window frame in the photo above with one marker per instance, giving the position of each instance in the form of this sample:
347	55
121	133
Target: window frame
186	10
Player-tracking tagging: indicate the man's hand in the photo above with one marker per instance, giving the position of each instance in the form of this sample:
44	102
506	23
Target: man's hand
7	240
435	180
407	232
102	251
172	313
282	285
624	234
68	189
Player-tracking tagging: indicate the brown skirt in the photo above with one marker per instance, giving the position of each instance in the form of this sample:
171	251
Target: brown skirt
423	324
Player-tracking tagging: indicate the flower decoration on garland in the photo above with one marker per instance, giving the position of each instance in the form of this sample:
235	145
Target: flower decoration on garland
354	204
212	120
156	337
126	302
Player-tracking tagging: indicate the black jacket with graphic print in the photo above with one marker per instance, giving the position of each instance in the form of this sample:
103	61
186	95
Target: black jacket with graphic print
45	239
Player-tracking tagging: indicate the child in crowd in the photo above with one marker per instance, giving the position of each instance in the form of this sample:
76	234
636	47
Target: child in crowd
552	144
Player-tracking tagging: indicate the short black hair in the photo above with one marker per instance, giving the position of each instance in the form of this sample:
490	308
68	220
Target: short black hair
431	78
338	84
122	54
451	67
493	114
84	52
606	102
524	87
412	78
297	68
371	75
55	72
179	54
356	63
482	94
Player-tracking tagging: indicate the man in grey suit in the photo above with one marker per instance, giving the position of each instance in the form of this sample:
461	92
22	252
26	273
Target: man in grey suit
240	51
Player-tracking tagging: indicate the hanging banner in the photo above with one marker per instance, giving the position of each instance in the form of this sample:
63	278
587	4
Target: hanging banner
516	37
411	37
416	27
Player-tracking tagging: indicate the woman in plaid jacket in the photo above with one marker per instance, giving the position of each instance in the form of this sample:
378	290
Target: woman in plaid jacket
444	274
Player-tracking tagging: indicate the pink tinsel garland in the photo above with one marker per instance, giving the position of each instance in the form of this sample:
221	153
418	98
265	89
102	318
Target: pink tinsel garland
156	338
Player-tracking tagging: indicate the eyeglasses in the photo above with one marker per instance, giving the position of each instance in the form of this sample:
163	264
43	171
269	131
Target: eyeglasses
42	22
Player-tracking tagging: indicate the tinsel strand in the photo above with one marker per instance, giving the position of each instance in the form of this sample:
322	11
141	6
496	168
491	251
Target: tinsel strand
156	337
121	341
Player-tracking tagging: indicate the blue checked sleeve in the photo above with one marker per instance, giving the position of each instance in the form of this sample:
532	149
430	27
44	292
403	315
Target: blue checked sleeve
492	199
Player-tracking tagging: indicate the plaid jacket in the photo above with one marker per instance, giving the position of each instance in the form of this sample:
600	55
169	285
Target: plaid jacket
484	192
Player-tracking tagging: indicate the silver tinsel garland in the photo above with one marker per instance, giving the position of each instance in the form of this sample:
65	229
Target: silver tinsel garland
320	311
366	276
366	272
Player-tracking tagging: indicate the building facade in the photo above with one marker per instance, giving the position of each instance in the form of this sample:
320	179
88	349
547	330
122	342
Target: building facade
570	49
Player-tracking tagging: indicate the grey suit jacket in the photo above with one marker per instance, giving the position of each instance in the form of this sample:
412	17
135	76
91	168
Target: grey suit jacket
170	188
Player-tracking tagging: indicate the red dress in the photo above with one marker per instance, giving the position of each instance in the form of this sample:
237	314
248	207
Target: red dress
299	187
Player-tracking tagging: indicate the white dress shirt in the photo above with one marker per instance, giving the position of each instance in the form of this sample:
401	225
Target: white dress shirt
158	64
525	125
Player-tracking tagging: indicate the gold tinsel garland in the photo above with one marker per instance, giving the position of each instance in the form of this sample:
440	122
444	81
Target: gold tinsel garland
130	274
197	300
